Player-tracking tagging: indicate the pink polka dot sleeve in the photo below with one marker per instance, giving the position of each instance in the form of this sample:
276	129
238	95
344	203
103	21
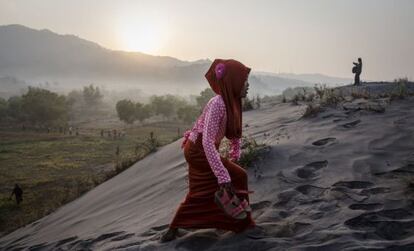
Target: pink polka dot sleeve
235	149
213	118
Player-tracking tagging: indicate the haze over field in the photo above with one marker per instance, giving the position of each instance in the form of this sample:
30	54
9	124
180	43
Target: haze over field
296	36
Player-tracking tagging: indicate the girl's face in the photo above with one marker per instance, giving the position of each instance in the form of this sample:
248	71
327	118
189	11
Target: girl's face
245	89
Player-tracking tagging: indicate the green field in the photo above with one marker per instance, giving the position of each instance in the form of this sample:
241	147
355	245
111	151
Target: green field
53	168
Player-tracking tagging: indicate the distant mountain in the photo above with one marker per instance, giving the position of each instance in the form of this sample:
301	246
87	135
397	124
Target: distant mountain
31	53
268	85
69	62
315	78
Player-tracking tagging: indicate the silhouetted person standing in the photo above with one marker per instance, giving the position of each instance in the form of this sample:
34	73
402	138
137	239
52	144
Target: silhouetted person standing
18	193
357	69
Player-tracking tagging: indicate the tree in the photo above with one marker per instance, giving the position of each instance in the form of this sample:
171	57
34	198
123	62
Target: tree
162	106
188	113
126	111
3	108
142	112
43	106
75	98
92	96
204	97
14	109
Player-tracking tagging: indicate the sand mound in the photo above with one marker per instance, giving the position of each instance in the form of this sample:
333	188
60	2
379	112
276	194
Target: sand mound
337	181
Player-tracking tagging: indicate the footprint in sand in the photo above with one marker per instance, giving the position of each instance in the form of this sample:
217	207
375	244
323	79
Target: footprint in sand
375	190
354	184
394	224
312	191
260	205
347	188
291	229
309	171
351	124
366	207
323	142
284	197
301	174
407	169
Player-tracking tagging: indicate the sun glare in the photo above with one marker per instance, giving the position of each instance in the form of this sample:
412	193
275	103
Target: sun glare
144	37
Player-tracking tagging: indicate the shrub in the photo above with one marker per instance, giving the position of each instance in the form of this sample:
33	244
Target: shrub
247	104
331	98
251	152
310	97
400	90
320	90
311	110
327	96
295	99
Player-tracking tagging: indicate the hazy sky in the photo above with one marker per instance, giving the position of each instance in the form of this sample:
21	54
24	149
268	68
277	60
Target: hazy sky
300	36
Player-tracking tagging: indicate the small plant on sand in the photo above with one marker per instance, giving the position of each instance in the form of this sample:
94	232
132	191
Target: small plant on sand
295	99
327	96
311	110
247	104
330	97
320	90
400	90
251	152
310	97
360	93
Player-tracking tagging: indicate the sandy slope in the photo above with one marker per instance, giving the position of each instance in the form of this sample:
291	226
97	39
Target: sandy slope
333	182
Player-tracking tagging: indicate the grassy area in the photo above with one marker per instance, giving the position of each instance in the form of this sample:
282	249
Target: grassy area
53	168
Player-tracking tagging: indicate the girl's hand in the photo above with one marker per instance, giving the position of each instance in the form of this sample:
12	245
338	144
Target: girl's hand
228	186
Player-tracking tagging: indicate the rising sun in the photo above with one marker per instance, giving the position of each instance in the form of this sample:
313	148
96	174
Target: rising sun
142	37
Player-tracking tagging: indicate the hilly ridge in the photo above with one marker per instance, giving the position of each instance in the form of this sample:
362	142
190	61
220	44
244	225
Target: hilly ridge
34	56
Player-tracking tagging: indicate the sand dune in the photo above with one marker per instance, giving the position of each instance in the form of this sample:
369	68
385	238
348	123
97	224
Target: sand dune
337	181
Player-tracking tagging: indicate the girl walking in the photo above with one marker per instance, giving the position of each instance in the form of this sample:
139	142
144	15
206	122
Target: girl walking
207	170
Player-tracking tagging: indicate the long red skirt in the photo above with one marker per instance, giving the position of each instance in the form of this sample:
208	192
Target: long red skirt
199	210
